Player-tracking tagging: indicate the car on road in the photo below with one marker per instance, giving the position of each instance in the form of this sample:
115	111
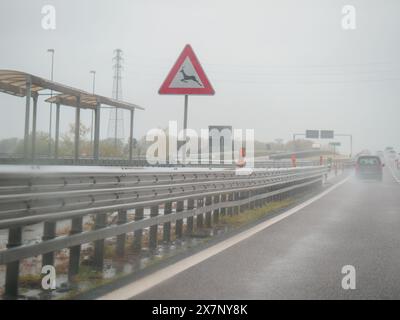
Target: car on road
369	167
392	154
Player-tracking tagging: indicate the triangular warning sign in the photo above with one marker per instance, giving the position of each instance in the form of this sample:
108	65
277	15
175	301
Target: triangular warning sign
187	76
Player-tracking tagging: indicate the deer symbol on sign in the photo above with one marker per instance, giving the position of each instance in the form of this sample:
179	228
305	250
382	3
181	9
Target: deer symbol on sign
186	77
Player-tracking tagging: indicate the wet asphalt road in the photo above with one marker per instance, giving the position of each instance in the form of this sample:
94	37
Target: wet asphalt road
301	257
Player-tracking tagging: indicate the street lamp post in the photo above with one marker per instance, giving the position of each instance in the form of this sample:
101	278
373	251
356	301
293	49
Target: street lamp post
93	72
51	95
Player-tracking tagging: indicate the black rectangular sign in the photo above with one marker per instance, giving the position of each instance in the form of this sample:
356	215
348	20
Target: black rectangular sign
312	134
327	134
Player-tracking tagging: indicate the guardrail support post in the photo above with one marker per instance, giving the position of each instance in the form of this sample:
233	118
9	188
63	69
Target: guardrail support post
138	234
75	251
121	239
189	222
12	269
264	200
251	202
179	222
270	198
167	225
243	207
208	213
274	197
256	202
236	208
153	233
100	223
199	217
230	199
49	232
216	211
261	200
223	199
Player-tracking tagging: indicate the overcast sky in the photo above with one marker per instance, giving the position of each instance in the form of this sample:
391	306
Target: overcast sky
277	66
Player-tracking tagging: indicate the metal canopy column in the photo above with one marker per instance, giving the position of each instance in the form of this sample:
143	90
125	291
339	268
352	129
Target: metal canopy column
57	136
27	110
96	142
34	118
77	125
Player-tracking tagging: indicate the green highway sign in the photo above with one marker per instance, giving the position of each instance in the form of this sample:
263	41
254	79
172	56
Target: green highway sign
312	134
327	134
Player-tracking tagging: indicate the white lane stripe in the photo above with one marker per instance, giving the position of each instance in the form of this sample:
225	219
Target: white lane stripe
147	282
394	175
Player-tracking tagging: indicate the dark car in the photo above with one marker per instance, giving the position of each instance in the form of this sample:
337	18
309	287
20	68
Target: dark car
369	167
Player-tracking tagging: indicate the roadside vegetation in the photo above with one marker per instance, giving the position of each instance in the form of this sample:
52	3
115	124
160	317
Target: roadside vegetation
252	215
120	149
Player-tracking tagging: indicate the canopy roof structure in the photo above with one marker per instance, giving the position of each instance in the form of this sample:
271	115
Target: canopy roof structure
15	83
91	101
26	85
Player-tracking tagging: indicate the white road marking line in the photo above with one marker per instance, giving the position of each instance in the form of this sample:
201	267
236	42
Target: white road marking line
393	174
147	282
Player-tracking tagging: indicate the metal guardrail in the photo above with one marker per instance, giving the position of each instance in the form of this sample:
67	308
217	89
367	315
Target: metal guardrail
18	159
32	195
300	154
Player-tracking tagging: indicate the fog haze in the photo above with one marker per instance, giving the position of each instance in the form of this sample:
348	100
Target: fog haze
277	66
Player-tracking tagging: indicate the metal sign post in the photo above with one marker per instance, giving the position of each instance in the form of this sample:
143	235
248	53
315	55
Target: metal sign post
185	113
185	116
186	77
351	141
294	140
334	145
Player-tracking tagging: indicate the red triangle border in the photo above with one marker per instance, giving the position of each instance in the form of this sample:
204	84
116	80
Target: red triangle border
187	52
